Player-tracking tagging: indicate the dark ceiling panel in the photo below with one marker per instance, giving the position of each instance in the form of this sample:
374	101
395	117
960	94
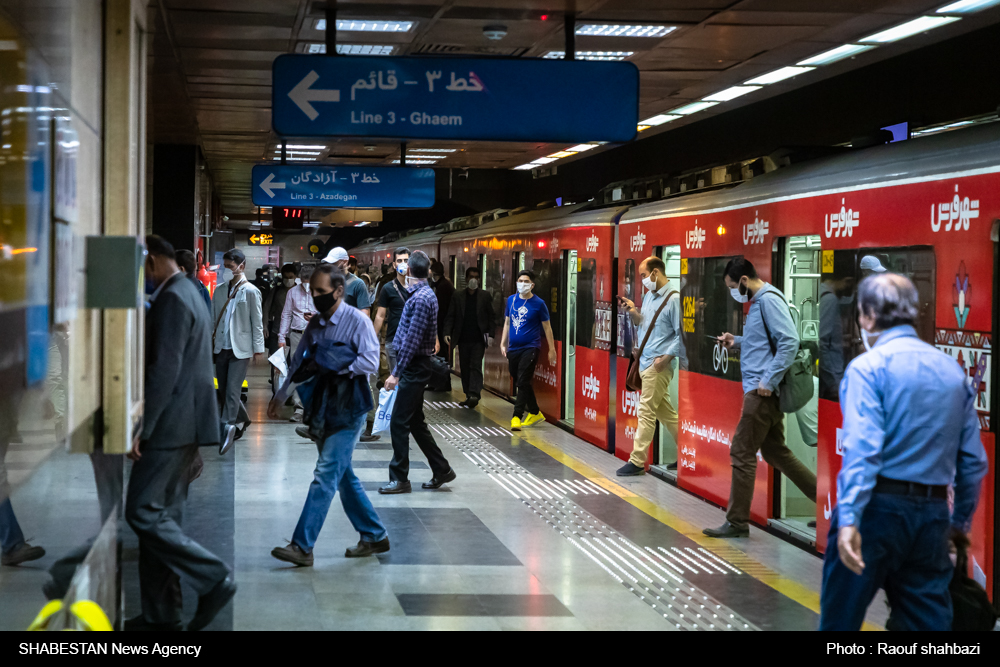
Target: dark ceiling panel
738	41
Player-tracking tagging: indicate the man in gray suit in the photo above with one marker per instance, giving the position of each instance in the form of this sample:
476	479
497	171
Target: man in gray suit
180	415
238	336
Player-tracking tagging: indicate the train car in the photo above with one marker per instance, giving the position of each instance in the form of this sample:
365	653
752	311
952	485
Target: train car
571	251
926	208
368	258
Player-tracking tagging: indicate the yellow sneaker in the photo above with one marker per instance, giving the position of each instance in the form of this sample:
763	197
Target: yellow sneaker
515	424
533	419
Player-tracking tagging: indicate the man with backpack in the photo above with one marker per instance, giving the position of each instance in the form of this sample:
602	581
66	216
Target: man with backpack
659	324
768	347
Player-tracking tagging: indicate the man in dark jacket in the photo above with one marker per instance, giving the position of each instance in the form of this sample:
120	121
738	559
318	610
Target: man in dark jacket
180	415
187	264
444	291
469	325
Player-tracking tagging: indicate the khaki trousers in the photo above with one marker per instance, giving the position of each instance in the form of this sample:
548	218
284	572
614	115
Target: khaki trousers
761	427
654	404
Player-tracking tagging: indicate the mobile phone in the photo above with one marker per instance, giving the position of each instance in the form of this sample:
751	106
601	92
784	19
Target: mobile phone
715	338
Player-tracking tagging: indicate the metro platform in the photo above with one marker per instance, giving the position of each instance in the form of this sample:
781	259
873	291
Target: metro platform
536	533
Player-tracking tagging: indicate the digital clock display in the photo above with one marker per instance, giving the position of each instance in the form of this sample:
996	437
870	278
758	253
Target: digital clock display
284	217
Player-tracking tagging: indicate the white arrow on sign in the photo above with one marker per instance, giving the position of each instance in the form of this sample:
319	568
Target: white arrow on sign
269	186
302	95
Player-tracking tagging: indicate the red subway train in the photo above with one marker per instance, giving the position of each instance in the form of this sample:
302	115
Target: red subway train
927	208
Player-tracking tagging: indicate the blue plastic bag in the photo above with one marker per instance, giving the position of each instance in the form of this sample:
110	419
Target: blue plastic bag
386	401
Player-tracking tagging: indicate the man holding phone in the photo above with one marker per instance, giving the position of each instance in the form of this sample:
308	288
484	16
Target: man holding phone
661	333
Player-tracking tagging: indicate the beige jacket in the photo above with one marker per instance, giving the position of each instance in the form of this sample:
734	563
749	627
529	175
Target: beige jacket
246	328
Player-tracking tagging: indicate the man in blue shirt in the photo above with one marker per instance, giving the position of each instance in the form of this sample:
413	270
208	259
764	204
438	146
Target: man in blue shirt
910	429
525	318
764	359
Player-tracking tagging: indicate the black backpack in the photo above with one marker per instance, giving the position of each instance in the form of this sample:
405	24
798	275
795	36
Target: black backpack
971	607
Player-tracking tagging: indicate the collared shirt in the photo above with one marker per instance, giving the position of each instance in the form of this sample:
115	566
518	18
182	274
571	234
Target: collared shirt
417	330
298	302
347	325
758	364
665	337
909	415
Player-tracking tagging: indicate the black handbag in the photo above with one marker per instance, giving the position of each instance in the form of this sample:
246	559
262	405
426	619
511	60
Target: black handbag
440	374
971	607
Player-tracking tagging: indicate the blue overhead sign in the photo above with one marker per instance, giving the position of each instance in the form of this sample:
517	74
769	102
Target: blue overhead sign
454	98
320	186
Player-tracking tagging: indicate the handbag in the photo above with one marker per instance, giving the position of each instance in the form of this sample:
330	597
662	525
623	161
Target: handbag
633	381
440	374
970	605
796	386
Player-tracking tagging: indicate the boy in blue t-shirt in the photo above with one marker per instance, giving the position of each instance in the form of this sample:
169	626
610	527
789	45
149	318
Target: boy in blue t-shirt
526	317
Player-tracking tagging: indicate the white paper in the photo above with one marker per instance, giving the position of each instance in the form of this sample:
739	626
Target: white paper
278	361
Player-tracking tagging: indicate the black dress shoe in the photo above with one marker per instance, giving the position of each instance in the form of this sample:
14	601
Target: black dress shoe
140	624
436	482
22	553
395	487
293	554
727	530
472	403
211	603
370	437
303	431
229	436
630	470
368	548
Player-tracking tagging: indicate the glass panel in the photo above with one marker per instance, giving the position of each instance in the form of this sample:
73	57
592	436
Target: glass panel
547	287
586	303
627	330
671	256
573	312
701	324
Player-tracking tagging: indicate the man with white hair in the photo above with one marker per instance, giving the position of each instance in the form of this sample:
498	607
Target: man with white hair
910	430
355	291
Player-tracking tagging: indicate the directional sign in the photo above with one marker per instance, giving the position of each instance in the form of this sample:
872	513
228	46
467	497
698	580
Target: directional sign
261	239
461	98
320	186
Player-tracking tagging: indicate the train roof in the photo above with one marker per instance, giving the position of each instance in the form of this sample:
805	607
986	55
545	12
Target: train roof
957	152
558	217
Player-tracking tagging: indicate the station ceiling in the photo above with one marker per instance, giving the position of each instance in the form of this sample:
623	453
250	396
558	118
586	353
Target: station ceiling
210	62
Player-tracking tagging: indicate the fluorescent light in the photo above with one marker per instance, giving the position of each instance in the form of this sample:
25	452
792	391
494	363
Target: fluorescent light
543	160
354	49
561	154
833	55
415	161
659	120
308	148
922	24
368	26
730	93
579	148
780	75
278	152
525	166
621	30
434	150
967	6
591	55
694	107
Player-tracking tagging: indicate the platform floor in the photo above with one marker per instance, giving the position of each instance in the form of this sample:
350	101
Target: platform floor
535	533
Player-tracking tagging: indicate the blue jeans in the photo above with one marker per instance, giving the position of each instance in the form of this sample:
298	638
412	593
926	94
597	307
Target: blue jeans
904	544
10	531
333	473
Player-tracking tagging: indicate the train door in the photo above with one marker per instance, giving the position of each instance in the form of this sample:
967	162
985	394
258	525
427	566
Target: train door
665	446
453	271
797	274
569	367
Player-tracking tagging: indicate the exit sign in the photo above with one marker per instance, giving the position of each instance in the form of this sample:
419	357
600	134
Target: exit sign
262	239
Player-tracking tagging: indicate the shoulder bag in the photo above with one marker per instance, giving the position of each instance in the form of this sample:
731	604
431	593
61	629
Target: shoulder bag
633	381
796	386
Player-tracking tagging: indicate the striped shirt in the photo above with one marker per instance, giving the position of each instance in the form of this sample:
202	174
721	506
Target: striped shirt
417	330
298	302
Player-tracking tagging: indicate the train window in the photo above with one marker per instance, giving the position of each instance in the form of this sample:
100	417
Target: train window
708	310
626	329
586	303
547	287
494	282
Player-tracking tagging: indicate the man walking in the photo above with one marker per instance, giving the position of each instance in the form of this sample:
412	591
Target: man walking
761	426
525	317
343	349
180	415
356	293
13	549
391	300
659	324
444	291
910	429
186	262
469	324
238	336
296	313
415	343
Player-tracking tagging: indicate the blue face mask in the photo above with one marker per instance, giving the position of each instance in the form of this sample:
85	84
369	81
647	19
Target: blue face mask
150	287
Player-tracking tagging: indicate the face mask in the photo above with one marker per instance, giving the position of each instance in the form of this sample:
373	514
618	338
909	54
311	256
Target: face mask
290	282
523	288
739	295
649	283
227	275
434	278
402	268
473	284
866	339
324	302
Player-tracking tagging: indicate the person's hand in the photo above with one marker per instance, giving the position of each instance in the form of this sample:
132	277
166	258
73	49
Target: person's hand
659	364
272	408
437	346
281	344
628	303
391	382
552	356
762	390
958	539
447	339
727	340
258	357
308	316
135	454
503	349
849	546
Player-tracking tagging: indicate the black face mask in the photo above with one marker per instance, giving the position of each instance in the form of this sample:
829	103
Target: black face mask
324	302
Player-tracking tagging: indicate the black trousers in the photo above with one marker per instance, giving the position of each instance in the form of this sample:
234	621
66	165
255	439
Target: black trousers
407	418
522	369
470	361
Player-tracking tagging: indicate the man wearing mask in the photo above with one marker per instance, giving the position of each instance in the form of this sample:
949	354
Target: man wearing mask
180	415
274	304
415	342
525	317
238	336
391	300
343	348
444	291
469	324
355	294
295	315
659	324
761	426
185	260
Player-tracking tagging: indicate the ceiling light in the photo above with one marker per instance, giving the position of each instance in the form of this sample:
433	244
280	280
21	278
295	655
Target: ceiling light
579	148
415	161
833	55
354	49
659	120
434	150
543	160
621	30
967	6
591	55
278	152
694	107
525	166
561	154
308	148
730	93
922	24
780	75
368	26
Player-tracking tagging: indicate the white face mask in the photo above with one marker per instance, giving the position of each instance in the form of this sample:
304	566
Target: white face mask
740	298
402	268
649	283
866	339
524	288
473	284
227	275
289	282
